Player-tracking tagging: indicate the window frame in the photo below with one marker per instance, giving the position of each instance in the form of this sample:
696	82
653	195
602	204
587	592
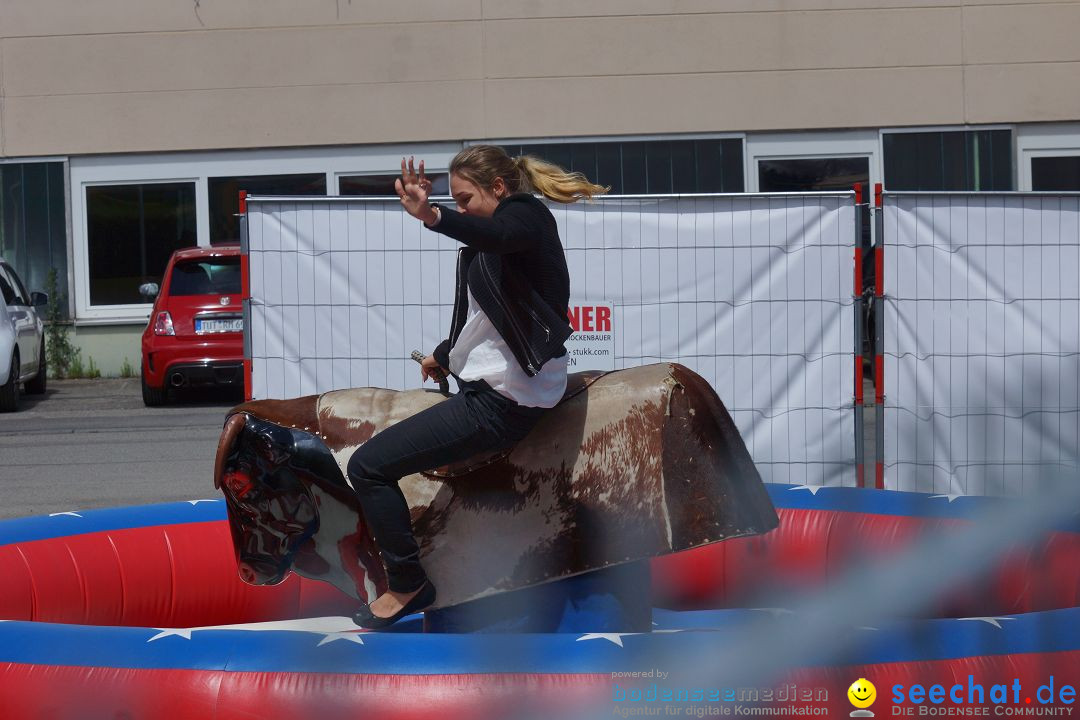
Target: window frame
811	146
127	311
948	128
198	167
1051	140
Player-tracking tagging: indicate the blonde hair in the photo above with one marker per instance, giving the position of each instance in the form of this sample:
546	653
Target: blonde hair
483	164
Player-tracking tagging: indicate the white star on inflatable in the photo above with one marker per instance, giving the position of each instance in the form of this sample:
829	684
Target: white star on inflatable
353	637
72	514
166	632
951	497
989	620
610	637
196	502
812	488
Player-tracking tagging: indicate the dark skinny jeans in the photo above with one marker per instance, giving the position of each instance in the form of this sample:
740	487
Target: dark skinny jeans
477	419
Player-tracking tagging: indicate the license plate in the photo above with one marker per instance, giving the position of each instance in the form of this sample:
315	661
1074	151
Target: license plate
205	326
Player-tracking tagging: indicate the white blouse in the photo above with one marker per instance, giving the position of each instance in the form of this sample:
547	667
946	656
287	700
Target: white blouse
481	354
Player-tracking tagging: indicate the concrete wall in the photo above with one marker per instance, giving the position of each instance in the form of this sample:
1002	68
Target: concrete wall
109	346
157	75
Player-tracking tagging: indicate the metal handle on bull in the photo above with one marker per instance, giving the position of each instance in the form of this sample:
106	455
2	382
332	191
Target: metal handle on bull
444	384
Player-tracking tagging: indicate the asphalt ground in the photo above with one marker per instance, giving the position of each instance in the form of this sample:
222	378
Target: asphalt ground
92	443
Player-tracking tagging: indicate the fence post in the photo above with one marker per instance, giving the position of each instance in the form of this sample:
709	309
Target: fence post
245	293
879	342
861	206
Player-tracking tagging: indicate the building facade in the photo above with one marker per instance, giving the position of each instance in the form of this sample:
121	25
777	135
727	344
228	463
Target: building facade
127	128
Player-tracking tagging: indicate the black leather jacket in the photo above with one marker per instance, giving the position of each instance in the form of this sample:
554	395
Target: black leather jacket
514	264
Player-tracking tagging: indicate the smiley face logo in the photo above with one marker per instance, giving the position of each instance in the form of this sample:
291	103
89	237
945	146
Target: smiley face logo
862	693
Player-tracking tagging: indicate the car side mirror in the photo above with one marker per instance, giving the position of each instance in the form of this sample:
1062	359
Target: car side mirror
149	290
39	299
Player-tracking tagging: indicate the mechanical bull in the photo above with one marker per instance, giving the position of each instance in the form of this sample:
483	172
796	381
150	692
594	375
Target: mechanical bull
630	464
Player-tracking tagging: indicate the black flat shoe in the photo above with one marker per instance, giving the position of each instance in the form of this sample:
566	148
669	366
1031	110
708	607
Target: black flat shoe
367	619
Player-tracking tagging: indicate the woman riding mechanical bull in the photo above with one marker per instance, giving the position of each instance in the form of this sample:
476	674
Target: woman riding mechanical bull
505	345
526	475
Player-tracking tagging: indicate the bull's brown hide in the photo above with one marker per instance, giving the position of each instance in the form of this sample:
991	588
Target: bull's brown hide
631	464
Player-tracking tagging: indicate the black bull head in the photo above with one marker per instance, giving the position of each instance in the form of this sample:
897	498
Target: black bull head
631	464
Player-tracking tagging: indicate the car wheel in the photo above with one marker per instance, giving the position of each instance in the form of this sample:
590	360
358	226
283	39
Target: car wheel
151	396
37	385
9	393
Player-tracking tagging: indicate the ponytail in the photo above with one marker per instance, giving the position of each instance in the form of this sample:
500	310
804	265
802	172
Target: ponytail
483	164
554	183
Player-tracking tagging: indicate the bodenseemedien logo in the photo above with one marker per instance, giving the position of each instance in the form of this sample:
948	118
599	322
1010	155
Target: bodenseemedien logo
862	694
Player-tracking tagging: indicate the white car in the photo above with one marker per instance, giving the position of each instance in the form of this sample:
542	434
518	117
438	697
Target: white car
22	339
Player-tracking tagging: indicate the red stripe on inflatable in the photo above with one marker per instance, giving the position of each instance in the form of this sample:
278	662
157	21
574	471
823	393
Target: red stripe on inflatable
811	546
32	691
180	575
185	575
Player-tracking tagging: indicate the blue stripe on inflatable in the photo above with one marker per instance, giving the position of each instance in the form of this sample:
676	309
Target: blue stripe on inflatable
889	502
793	497
704	634
81	522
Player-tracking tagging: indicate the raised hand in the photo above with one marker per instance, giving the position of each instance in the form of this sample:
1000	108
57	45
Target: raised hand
413	189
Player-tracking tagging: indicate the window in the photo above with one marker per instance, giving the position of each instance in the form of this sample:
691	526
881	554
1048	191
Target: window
382	185
7	288
213	276
131	232
652	167
1051	174
33	222
225	198
949	160
18	296
812	174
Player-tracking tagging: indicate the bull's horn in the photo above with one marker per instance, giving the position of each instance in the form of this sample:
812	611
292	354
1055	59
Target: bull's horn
233	426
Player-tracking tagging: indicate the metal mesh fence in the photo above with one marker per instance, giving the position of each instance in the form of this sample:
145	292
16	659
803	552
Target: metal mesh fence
981	340
753	292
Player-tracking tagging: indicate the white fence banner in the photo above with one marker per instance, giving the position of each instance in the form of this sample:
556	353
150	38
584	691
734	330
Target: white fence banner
753	292
981	341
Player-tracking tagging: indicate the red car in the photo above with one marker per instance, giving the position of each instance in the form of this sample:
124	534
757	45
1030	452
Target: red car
195	335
